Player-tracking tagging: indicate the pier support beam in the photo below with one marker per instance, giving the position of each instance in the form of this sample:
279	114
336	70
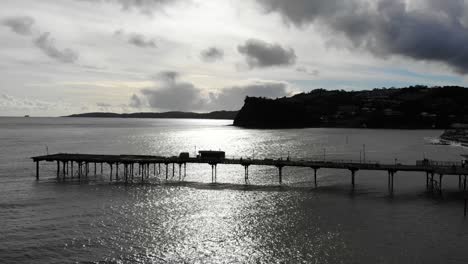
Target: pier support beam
58	169
167	170
180	171
246	177
111	170
440	183
280	173
432	181
185	170
391	175
173	170
315	176
353	174
464	183
117	171
37	170
214	172
427	180
79	169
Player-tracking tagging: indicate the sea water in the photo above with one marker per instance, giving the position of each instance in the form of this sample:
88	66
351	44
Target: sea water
194	221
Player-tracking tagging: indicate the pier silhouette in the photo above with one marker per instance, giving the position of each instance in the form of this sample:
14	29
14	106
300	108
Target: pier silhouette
140	167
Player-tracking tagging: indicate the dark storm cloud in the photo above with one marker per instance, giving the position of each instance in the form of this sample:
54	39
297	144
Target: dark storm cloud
259	54
21	24
47	45
212	54
174	94
435	31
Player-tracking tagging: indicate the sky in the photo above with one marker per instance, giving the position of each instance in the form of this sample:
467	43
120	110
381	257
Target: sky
73	56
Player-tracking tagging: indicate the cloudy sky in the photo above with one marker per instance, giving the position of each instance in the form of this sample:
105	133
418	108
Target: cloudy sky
71	56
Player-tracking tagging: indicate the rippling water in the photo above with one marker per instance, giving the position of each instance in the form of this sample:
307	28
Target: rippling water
199	222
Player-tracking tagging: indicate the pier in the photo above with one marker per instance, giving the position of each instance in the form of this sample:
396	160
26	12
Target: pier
126	168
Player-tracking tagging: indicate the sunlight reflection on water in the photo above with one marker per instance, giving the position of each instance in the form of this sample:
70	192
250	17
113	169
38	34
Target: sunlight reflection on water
228	222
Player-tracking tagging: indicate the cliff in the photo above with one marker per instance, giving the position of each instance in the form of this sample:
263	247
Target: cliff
414	107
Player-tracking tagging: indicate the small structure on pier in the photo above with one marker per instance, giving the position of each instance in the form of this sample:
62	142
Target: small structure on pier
79	165
211	154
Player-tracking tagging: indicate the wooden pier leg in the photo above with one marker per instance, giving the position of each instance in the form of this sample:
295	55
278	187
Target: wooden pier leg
58	169
280	174
180	171
143	174
427	180
102	171
63	168
353	174
432	181
216	172
167	170
80	171
212	173
127	169
185	170
110	178
246	177
173	170
37	170
459	182
391	190
154	169
71	169
440	183
117	171
159	168
315	177
95	169
388	182
464	183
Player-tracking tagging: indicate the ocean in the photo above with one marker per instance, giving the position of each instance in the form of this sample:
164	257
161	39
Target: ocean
195	221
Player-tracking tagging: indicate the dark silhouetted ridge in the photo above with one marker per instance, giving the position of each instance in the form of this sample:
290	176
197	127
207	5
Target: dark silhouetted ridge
175	114
413	107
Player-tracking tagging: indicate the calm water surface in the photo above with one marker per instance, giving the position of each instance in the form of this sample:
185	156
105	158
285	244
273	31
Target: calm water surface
195	221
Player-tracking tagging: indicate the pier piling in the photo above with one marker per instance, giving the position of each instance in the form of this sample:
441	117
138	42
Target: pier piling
315	176
37	170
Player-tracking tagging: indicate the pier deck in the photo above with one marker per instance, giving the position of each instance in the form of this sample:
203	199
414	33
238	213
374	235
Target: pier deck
144	163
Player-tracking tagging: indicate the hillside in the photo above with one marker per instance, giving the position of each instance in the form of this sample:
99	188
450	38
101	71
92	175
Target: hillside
211	115
413	107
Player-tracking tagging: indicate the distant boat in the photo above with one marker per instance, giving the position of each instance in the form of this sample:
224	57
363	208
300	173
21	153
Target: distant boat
26	116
